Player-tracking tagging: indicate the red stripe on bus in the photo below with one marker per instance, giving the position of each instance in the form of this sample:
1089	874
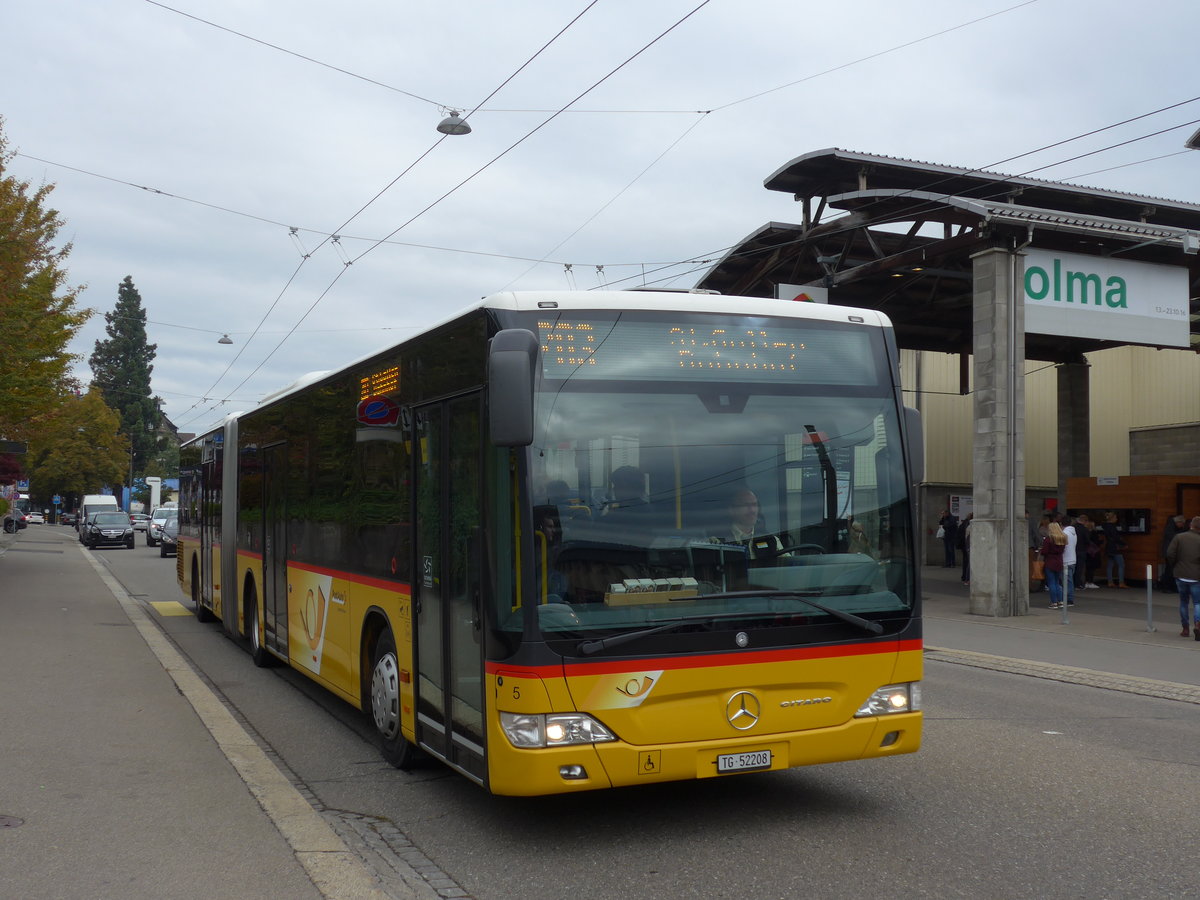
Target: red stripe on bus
733	658
365	580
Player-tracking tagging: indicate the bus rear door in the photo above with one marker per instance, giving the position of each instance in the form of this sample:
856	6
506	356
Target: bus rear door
275	548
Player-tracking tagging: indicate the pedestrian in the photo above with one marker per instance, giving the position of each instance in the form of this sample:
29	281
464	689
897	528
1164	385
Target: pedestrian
1034	542
1052	558
1175	525
1083	536
1088	549
1114	551
964	543
1184	556
1066	523
948	531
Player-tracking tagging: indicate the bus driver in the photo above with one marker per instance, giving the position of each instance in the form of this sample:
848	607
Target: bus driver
744	525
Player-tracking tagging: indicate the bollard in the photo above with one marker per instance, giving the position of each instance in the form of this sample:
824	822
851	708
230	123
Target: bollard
1066	620
1150	599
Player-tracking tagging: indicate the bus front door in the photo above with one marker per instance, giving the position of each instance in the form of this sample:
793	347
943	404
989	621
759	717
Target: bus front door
274	558
448	513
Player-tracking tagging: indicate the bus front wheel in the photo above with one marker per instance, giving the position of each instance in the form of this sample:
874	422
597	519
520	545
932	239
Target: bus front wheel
385	703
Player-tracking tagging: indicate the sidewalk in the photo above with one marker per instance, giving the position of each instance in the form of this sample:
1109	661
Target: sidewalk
124	777
1106	632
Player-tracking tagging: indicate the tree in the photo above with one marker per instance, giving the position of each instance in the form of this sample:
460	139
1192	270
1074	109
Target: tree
78	450
38	316
121	366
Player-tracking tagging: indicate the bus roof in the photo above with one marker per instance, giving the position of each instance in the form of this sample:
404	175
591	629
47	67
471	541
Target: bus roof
681	301
667	301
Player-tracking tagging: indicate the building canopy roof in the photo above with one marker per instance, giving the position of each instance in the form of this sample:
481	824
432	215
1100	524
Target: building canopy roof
905	231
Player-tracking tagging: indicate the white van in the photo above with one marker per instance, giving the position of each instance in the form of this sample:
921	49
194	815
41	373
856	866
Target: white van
95	503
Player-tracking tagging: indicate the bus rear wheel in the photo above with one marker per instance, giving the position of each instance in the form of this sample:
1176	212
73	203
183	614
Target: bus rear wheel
258	653
385	703
203	613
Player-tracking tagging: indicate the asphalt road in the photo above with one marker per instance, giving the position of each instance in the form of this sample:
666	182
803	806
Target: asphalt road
1024	788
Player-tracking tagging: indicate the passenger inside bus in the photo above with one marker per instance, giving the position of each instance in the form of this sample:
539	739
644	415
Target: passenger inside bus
628	496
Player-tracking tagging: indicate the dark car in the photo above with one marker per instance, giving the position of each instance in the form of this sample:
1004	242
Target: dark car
157	519
107	529
168	537
68	518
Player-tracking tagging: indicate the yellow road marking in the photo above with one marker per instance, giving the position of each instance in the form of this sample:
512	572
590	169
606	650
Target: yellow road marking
170	608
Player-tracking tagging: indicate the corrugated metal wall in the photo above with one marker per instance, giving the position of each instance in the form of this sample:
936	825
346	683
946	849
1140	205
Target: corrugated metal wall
1130	387
930	382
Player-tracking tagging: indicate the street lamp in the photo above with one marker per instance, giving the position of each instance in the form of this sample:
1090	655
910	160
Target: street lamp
454	124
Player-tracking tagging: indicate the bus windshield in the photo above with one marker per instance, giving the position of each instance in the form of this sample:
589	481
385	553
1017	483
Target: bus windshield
699	474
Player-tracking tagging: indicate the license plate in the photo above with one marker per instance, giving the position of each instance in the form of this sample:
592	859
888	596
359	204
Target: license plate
743	762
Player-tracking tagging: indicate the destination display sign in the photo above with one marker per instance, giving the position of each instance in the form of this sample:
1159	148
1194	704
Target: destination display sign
737	349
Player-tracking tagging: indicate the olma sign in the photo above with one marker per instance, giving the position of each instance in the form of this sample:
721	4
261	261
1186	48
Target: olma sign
1105	299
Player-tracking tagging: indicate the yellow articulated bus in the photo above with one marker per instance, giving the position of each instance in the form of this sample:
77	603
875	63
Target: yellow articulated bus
574	540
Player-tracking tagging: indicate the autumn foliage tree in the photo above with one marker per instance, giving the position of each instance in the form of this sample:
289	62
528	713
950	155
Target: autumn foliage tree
38	315
79	450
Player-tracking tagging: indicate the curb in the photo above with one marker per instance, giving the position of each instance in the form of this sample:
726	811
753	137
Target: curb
1145	687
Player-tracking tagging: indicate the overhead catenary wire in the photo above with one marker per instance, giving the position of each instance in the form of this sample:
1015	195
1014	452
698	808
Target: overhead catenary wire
480	108
612	265
921	205
479	171
365	206
708	257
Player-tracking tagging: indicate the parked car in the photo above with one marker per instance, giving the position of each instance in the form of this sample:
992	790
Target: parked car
107	528
14	521
139	521
69	518
33	517
168	537
157	518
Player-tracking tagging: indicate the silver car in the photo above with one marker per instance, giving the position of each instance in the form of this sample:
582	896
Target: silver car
158	518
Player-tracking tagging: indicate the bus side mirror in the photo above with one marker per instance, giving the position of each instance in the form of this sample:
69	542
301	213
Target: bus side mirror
915	437
512	359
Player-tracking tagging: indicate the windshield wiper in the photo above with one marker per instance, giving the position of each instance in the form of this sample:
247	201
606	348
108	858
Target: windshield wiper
587	648
805	597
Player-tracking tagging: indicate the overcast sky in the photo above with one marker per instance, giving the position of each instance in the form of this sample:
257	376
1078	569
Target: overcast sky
184	148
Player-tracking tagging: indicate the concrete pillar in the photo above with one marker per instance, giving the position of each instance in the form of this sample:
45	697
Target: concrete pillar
1074	426
999	561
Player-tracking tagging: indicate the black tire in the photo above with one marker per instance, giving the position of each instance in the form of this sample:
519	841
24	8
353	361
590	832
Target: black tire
203	613
262	658
129	544
383	703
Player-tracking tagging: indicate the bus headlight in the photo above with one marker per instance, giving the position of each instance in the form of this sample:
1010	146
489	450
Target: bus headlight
553	729
892	698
